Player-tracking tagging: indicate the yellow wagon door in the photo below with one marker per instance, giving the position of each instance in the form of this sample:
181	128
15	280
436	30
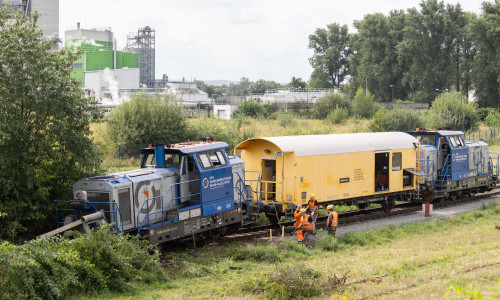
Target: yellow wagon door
268	183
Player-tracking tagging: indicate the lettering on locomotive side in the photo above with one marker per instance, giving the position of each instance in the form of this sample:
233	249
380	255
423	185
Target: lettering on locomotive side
215	183
459	157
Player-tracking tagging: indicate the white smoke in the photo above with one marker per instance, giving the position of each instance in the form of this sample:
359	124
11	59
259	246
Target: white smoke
78	43
113	84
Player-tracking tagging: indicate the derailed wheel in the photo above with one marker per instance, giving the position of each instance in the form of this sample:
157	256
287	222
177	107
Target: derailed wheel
388	205
453	196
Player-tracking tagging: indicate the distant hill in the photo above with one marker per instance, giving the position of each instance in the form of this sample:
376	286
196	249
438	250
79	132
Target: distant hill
219	82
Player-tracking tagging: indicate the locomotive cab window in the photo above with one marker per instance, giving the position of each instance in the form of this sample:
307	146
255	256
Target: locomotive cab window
426	139
171	160
212	159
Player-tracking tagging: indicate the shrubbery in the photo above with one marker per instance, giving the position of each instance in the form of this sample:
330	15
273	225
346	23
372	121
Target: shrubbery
57	267
147	119
493	118
396	119
328	103
363	104
255	110
338	115
452	111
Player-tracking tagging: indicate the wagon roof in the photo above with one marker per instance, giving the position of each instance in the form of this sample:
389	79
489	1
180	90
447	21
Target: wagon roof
304	145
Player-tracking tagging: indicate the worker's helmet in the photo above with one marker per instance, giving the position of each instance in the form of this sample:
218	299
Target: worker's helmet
329	206
303	210
311	195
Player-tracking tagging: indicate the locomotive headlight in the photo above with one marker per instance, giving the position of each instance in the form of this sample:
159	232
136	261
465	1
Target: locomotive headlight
80	195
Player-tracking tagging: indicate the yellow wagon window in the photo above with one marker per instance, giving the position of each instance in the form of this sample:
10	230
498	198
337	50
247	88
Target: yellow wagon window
396	161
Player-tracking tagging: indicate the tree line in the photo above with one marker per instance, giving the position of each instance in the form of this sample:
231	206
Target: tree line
414	54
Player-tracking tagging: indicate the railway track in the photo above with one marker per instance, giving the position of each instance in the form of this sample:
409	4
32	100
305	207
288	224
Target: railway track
349	217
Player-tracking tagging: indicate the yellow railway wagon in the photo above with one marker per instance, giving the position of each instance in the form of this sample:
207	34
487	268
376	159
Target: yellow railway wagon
357	168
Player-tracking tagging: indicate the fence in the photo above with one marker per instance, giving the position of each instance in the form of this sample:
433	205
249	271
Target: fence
489	134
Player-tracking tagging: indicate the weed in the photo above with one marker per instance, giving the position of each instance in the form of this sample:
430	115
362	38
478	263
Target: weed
286	283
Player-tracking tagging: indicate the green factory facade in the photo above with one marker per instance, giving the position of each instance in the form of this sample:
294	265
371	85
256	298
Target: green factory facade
98	53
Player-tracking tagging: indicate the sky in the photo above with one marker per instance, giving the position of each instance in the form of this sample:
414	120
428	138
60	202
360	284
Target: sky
228	39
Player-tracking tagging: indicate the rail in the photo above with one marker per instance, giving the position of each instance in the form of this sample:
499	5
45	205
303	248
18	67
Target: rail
163	211
87	205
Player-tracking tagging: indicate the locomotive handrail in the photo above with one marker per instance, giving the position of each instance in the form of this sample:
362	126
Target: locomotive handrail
163	211
494	167
445	175
90	205
257	189
428	167
241	193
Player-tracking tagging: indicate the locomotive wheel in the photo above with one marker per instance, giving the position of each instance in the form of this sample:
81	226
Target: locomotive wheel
472	193
453	196
387	205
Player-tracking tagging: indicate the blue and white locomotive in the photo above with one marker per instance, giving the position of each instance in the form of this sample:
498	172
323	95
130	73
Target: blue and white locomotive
180	190
450	166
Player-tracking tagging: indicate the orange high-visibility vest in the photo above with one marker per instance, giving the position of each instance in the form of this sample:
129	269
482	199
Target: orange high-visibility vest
297	216
306	225
334	216
313	207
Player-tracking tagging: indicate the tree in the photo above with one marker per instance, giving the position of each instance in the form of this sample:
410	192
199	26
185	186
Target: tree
363	104
331	52
486	70
44	127
297	83
430	38
147	119
375	59
328	103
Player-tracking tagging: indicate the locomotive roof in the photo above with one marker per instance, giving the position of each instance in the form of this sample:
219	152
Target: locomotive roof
192	147
440	132
304	145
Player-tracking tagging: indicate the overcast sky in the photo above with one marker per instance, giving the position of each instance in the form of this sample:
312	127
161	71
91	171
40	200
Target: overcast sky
228	39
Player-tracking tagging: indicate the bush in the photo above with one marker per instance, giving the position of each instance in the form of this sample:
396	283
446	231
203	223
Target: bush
396	119
56	268
364	105
287	283
452	111
255	110
328	103
338	116
286	119
493	118
259	253
147	119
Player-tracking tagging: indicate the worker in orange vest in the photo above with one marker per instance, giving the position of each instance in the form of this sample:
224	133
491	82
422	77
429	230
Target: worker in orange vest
297	215
305	225
332	221
313	208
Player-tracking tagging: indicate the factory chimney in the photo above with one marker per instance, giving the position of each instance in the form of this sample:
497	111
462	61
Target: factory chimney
78	25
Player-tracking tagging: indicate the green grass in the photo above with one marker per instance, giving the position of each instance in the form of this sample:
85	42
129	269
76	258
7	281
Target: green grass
462	252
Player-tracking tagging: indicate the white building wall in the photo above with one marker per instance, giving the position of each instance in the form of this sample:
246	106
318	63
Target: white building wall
104	83
49	17
224	112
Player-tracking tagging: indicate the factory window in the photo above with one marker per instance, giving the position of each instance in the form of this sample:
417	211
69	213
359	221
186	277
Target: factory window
396	161
76	66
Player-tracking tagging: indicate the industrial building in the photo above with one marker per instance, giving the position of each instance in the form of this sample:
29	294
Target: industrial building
48	20
102	70
143	42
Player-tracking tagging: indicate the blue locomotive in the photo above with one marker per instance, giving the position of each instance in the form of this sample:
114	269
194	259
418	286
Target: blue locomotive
450	166
181	190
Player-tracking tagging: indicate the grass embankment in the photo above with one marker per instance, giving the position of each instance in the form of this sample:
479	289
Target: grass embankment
415	261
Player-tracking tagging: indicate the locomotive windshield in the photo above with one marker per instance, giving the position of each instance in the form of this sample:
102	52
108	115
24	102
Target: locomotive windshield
426	139
171	160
